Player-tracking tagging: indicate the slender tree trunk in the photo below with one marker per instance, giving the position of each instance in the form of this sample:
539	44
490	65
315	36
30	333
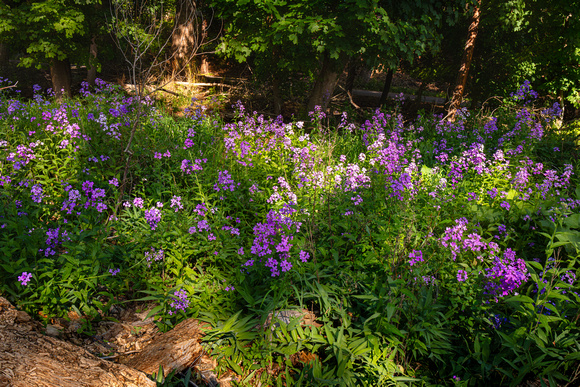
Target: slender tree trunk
561	101
386	87
351	73
92	70
204	65
459	90
325	82
184	39
419	96
61	78
276	95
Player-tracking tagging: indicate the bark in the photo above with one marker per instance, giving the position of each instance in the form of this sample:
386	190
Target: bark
184	40
176	350
386	87
29	358
61	78
92	70
459	90
325	82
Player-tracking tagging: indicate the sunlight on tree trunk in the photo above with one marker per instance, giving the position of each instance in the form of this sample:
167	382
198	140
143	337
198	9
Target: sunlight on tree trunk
459	90
185	36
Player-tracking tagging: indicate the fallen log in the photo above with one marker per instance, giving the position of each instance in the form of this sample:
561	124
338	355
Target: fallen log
29	359
177	350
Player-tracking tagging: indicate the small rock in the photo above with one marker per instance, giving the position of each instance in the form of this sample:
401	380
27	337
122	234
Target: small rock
52	331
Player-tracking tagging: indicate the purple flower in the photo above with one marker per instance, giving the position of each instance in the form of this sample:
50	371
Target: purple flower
114	182
153	217
200	209
461	275
506	275
492	193
203	225
357	200
114	272
304	256
25	278
154	255
176	202
416	257
225	182
285	265
36	192
138	202
179	301
501	229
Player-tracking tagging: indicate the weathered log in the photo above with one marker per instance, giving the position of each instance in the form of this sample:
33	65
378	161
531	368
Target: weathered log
29	358
176	350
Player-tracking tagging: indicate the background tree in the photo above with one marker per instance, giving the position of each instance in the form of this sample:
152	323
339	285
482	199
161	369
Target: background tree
318	37
461	82
189	34
50	31
528	39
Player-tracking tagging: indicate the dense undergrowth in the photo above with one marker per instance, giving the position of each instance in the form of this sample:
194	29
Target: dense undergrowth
432	253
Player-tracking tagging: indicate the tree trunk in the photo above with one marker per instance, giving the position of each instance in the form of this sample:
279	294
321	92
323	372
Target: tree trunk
386	87
325	83
4	54
29	358
204	65
61	78
184	40
353	65
276	95
465	63
92	70
419	96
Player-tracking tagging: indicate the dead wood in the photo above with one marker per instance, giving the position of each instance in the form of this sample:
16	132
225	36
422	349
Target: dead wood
176	350
29	358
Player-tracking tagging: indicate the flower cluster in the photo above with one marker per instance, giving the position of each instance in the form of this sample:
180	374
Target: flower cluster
506	275
25	278
415	256
225	182
153	217
176	202
154	255
179	301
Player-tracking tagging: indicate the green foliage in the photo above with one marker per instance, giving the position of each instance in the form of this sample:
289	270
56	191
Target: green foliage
508	30
50	29
421	252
